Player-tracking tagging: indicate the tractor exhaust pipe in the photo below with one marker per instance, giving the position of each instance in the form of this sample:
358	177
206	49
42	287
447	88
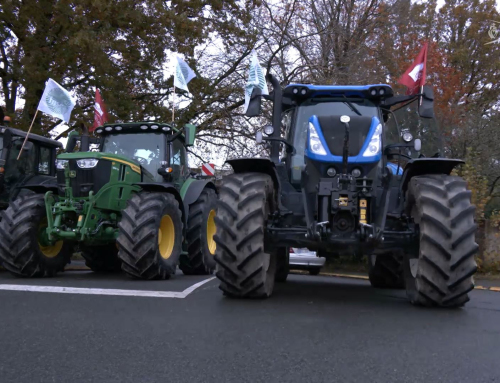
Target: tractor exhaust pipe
345	153
85	140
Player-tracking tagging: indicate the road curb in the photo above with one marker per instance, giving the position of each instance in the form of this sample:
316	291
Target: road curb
364	277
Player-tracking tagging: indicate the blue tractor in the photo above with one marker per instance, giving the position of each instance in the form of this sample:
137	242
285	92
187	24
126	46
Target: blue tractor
335	184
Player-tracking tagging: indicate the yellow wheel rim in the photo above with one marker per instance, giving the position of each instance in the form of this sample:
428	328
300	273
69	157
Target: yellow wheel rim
166	237
211	229
49	251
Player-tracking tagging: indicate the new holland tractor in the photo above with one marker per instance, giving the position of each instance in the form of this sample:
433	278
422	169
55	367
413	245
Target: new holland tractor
343	187
131	203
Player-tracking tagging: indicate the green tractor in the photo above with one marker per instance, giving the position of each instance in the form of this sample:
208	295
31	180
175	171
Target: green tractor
130	203
343	186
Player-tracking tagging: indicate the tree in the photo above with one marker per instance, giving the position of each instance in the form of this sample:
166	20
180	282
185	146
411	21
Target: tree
121	47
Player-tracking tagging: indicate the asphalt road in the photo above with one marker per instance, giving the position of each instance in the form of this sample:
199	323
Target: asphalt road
313	329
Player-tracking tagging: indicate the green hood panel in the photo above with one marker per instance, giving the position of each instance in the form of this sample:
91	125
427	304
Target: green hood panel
98	155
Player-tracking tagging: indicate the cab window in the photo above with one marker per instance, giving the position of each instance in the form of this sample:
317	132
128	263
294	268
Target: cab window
44	160
178	159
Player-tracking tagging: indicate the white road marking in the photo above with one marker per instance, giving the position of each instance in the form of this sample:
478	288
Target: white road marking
115	292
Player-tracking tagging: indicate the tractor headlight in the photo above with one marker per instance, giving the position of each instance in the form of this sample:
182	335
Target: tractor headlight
375	143
87	163
61	164
268	130
315	144
407	137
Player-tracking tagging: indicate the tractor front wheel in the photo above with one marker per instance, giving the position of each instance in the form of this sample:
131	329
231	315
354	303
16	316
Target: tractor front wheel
440	273
201	229
244	269
150	236
25	250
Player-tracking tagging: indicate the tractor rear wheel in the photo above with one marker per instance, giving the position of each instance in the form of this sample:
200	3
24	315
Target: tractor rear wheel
385	271
24	247
150	236
244	269
199	259
101	259
441	271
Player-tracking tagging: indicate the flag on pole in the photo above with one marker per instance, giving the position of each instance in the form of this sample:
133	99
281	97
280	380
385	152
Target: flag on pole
183	74
100	114
414	77
256	79
56	101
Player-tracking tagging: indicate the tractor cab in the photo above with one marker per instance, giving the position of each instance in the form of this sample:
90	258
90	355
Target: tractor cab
35	165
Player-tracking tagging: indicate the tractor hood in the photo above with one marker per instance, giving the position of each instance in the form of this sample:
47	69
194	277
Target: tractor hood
93	171
96	156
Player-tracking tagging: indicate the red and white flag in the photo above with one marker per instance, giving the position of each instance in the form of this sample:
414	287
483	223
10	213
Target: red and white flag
414	77
100	114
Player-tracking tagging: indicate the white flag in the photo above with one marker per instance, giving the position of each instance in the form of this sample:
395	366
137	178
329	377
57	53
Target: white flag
256	79
183	74
56	101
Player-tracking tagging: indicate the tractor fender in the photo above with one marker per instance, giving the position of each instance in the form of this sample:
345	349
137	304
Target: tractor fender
258	165
164	187
192	189
40	184
423	166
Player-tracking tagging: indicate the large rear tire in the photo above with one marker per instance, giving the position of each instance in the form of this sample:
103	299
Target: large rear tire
201	246
442	273
150	236
244	269
385	271
24	248
102	259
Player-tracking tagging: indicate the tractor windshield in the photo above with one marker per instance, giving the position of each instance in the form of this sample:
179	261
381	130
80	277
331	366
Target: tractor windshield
323	107
146	148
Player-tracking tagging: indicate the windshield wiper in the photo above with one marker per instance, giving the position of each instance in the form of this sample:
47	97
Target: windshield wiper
350	105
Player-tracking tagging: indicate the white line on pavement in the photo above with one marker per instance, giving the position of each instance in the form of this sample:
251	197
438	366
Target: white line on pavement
116	292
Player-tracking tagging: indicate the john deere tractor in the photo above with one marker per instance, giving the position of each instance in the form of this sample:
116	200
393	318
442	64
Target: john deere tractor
130	203
342	186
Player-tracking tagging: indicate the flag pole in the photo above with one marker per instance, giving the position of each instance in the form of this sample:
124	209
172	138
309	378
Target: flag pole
173	107
27	134
421	94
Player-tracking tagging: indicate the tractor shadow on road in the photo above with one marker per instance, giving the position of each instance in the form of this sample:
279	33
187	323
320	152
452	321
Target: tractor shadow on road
322	294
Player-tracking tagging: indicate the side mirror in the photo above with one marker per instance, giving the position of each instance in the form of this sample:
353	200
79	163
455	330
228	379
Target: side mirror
28	146
189	134
254	106
417	144
258	137
426	105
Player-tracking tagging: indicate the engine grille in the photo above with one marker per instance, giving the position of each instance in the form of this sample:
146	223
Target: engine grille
86	179
334	132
